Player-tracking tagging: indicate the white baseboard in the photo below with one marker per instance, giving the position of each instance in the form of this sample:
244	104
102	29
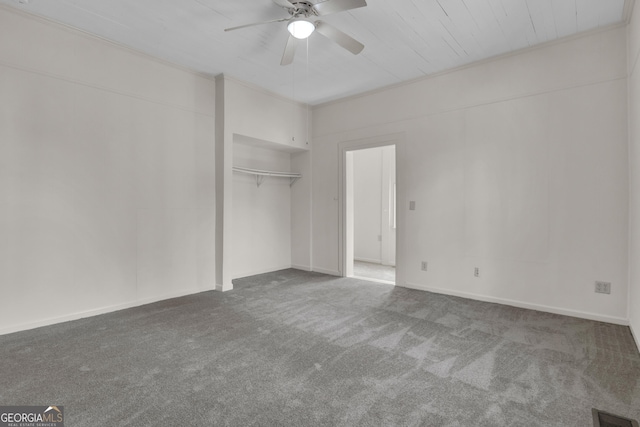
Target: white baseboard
301	267
260	271
326	271
521	304
635	337
95	312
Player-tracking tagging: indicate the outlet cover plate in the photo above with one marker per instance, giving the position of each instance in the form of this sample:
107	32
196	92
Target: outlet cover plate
603	287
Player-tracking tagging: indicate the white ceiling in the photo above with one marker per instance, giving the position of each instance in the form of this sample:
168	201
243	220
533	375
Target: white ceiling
404	39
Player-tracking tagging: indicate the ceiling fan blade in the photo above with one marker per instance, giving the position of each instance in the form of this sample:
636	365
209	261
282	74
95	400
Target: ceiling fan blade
289	51
333	6
283	3
257	23
344	40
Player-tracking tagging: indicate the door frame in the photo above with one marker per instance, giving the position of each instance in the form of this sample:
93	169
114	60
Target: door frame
344	147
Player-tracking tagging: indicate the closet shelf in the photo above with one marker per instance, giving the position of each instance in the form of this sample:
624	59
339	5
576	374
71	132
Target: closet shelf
261	175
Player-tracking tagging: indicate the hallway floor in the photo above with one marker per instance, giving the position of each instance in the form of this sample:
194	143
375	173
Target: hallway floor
368	270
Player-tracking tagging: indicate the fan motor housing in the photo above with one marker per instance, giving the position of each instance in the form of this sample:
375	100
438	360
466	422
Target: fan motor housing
302	8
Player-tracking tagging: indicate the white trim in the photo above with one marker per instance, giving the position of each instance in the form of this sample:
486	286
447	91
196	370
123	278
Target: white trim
260	89
96	312
520	304
89	35
222	288
495	58
260	271
635	337
395	139
79	82
110	43
325	271
632	61
629	169
370	261
371	279
301	267
451	109
631	68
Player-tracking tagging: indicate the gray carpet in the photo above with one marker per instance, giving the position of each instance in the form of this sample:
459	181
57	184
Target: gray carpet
370	270
301	349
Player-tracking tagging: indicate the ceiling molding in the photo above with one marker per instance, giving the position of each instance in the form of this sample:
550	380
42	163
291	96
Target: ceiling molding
254	87
91	36
476	63
406	40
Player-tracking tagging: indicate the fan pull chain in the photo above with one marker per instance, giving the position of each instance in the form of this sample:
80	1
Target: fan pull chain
293	96
306	104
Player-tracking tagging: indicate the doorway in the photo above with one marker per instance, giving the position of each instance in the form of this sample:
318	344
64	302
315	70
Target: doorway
370	210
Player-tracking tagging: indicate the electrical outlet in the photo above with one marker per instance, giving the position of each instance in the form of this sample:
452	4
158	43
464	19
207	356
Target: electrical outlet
379	237
424	265
603	287
476	272
412	206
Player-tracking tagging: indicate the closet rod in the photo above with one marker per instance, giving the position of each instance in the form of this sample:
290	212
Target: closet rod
261	174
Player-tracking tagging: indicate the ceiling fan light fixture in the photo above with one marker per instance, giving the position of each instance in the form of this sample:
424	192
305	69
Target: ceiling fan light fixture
301	28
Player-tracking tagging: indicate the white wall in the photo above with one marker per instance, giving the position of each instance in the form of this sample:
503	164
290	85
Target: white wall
373	181
634	163
106	176
261	215
301	212
367	201
388	227
518	166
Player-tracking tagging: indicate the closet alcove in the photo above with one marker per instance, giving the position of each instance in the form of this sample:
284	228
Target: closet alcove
262	205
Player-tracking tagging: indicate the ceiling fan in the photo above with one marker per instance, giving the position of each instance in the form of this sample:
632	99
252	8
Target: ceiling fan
301	26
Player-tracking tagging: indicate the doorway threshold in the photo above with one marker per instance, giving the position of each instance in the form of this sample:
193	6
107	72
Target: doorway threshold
371	279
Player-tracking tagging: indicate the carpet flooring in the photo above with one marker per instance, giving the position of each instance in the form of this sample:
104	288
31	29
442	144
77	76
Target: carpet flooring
292	348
